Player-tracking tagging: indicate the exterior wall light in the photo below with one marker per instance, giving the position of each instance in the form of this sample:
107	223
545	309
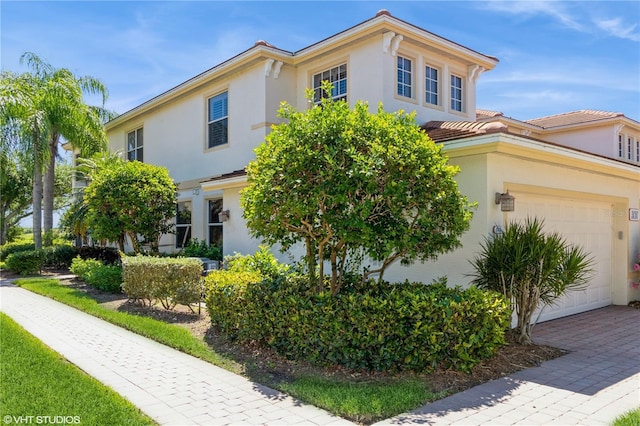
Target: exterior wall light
223	216
507	201
195	191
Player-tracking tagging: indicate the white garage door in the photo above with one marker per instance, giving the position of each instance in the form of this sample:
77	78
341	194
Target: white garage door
583	222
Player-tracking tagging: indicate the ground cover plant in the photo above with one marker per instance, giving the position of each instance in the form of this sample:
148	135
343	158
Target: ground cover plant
37	381
356	395
631	418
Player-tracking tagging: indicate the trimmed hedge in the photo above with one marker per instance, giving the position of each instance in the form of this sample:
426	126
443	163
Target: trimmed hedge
168	280
25	262
98	275
10	248
108	255
59	257
403	326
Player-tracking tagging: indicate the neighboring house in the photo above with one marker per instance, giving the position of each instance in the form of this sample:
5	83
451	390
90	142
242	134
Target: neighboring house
205	130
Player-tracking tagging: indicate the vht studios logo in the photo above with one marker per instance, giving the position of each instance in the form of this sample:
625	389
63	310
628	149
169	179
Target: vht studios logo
41	420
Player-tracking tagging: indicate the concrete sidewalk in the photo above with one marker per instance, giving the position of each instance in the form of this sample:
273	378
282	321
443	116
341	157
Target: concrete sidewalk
596	382
592	385
171	387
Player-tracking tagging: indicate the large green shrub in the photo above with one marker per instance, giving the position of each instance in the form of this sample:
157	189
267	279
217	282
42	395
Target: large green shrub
170	281
108	255
98	275
10	248
378	326
25	262
59	256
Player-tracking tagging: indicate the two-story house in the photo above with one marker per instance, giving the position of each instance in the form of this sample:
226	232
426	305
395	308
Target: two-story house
205	130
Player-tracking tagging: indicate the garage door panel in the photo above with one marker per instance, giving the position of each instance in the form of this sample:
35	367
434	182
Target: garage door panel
582	222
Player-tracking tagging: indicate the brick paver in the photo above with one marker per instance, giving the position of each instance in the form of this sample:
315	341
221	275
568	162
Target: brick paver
592	385
597	381
171	387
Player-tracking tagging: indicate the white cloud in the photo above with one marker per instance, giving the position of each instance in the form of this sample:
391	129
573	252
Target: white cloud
570	15
617	28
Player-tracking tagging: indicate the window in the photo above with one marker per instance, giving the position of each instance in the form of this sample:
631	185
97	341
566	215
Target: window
134	145
218	120
456	93
638	150
620	147
183	224
404	77
215	224
431	85
629	150
337	77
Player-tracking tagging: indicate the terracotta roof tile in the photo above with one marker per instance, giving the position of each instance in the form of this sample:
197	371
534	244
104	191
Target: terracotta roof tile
573	117
440	131
485	113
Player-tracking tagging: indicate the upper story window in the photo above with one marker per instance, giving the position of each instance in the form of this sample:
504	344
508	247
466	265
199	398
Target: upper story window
456	93
183	224
404	77
218	120
134	145
431	85
638	150
337	77
629	150
620	147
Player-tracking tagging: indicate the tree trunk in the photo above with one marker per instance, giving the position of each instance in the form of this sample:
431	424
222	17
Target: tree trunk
49	183
37	207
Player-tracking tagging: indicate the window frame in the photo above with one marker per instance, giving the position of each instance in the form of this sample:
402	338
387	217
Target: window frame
402	74
427	86
214	223
318	95
629	148
460	90
179	225
218	119
138	147
620	146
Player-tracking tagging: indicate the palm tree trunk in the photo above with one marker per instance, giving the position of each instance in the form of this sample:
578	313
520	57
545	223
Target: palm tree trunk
37	207
49	183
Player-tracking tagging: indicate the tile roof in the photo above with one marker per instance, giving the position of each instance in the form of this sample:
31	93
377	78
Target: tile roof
440	131
235	173
573	117
485	113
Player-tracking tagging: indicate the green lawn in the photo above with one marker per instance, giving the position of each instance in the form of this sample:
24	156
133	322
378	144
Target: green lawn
632	418
365	402
36	381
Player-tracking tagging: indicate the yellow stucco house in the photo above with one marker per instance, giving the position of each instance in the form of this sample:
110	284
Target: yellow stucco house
568	170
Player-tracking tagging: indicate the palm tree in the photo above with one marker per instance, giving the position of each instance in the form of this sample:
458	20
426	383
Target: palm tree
69	117
21	118
49	105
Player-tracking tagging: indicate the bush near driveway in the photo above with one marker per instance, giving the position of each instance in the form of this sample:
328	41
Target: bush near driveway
98	275
375	326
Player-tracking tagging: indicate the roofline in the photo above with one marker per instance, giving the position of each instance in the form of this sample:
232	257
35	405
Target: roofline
383	16
594	122
256	51
539	142
261	48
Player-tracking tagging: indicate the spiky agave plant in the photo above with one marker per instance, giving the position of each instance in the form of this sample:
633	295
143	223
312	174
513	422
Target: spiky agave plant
531	268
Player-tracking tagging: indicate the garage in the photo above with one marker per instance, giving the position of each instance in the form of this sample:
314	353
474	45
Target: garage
586	223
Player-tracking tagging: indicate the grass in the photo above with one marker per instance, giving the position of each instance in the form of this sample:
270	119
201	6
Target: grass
631	418
360	401
365	402
36	381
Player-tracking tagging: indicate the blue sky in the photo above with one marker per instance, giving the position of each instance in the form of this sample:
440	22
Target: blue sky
555	56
